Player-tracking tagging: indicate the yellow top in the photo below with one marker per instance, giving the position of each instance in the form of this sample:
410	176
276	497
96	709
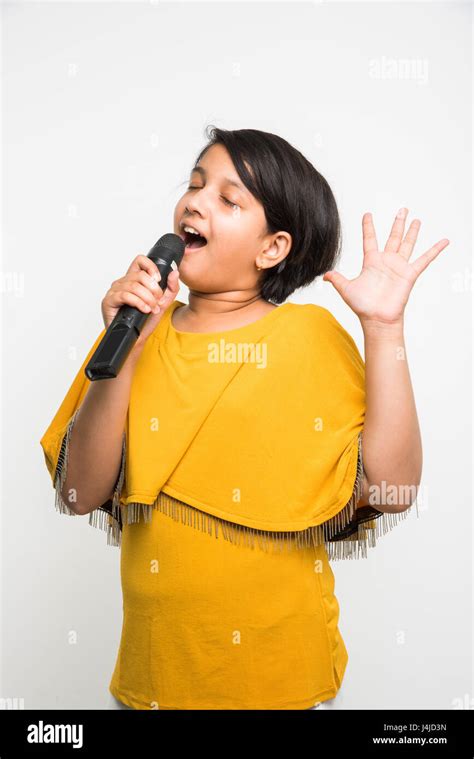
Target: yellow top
257	450
211	625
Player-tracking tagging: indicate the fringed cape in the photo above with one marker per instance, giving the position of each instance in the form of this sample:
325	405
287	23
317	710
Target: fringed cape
255	431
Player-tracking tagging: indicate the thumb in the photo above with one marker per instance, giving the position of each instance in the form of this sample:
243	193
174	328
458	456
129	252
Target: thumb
336	279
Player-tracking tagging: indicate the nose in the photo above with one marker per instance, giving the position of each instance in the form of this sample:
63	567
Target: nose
196	204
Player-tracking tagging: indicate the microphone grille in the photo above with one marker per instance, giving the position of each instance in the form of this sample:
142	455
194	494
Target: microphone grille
173	243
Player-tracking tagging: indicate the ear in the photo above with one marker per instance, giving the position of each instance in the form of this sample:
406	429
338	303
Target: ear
279	248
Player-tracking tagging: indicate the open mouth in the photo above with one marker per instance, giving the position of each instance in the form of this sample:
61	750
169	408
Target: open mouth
193	241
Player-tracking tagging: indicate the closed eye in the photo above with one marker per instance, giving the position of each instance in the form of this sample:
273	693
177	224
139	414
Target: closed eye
226	201
229	202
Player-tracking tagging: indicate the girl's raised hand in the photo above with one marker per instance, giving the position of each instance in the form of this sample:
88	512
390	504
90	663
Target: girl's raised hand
380	292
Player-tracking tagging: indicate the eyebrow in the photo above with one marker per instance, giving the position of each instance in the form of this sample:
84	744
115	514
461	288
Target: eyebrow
201	170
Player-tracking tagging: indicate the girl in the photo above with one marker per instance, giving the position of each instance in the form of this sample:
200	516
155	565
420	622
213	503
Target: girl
245	443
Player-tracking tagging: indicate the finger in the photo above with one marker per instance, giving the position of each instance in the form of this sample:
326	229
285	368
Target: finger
406	248
170	291
129	299
149	282
336	279
368	234
396	233
422	262
173	281
143	292
141	262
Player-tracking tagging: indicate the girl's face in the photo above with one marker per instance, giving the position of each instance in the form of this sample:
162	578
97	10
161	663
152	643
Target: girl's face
234	225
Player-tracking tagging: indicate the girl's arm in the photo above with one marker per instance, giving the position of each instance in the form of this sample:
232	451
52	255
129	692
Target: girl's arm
391	440
95	444
94	448
391	443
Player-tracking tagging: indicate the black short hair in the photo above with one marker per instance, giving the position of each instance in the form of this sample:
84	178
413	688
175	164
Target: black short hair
296	198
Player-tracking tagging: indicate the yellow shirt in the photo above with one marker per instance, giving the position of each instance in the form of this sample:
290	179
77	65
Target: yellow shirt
214	623
211	625
208	624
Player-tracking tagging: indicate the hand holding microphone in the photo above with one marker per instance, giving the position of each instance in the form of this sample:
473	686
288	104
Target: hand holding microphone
140	287
130	309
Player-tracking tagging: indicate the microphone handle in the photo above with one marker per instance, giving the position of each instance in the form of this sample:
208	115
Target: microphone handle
123	332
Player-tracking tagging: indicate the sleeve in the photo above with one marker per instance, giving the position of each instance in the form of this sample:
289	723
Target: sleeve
55	445
350	532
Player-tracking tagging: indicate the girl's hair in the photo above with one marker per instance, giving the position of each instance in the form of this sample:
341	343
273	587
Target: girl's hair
296	199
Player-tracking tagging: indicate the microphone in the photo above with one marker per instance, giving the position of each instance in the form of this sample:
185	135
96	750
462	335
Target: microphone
124	330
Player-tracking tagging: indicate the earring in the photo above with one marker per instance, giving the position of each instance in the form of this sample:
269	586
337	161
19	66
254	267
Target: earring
259	268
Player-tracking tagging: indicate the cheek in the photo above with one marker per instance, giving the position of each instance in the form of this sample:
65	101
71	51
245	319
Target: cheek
179	210
233	237
234	248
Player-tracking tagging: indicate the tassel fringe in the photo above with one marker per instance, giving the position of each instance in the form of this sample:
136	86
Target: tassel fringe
347	535
106	517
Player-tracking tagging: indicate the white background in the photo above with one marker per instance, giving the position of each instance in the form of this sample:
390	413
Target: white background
104	108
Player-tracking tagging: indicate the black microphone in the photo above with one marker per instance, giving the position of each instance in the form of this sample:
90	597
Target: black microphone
124	330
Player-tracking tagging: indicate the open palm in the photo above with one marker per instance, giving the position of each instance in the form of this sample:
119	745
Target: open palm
381	290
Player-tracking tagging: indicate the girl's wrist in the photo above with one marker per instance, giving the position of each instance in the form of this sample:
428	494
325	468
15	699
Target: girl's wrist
374	329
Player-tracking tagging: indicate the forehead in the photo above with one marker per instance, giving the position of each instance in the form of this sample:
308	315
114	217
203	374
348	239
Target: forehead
217	164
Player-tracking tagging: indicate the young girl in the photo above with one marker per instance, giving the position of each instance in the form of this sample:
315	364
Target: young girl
245	443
